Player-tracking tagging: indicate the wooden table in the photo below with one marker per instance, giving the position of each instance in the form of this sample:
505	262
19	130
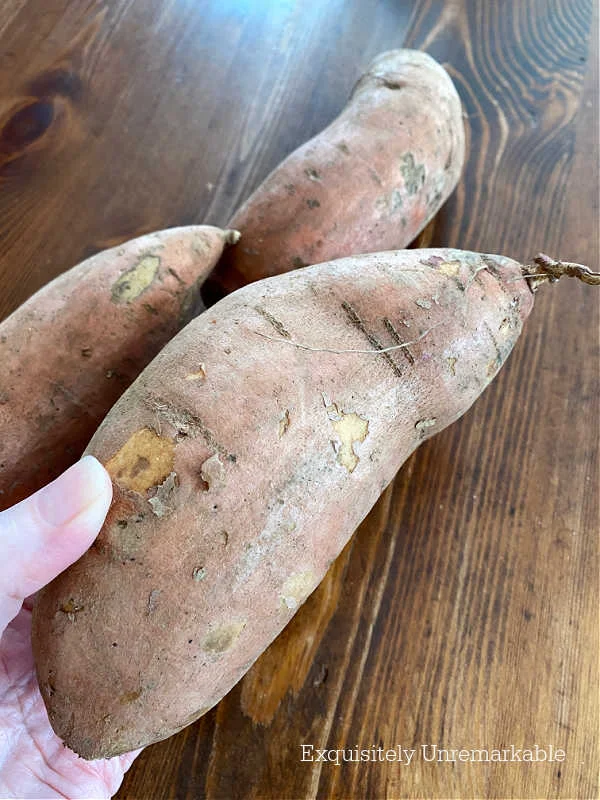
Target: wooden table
464	613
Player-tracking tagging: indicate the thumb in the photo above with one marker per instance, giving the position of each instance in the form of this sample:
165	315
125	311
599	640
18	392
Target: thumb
42	535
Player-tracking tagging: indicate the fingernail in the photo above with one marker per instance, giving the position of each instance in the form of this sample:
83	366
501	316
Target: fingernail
73	492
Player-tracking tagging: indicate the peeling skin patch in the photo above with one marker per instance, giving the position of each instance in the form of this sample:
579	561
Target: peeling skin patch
136	280
152	601
296	589
423	424
145	460
413	173
452	364
197	376
350	428
312	174
284	422
162	503
198	574
222	638
422	303
212	472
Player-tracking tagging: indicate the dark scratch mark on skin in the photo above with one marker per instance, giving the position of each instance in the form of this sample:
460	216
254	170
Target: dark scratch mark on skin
495	342
279	326
373	340
398	339
184	422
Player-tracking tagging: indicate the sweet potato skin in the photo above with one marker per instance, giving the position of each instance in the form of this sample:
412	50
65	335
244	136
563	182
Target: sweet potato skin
243	462
71	350
370	181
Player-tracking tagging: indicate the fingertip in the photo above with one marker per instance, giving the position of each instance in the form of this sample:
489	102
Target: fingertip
98	478
84	489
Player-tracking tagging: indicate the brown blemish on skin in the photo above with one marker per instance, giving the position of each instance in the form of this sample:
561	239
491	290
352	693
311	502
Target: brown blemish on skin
136	280
312	203
224	537
343	147
413	173
298	263
145	460
296	589
312	174
129	697
375	177
284	422
212	472
350	428
70	608
222	638
197	376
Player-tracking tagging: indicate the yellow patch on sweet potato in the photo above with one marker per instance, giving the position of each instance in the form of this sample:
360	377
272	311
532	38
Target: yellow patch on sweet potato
145	460
297	588
136	280
449	268
200	375
350	428
222	638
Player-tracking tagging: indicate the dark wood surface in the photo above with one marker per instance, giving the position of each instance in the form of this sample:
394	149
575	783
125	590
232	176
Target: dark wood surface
464	613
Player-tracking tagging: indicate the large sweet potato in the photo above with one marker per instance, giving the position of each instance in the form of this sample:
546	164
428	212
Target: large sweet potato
243	458
370	181
71	350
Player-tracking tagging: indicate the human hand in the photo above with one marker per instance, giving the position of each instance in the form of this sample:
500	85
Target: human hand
39	538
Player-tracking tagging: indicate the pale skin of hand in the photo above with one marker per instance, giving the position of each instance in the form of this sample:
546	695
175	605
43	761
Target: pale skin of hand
39	538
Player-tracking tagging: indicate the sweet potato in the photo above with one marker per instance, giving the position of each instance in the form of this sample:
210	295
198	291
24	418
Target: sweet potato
71	350
370	181
63	371
243	458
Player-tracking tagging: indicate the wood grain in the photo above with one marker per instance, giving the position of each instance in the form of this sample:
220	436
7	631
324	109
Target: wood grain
465	610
